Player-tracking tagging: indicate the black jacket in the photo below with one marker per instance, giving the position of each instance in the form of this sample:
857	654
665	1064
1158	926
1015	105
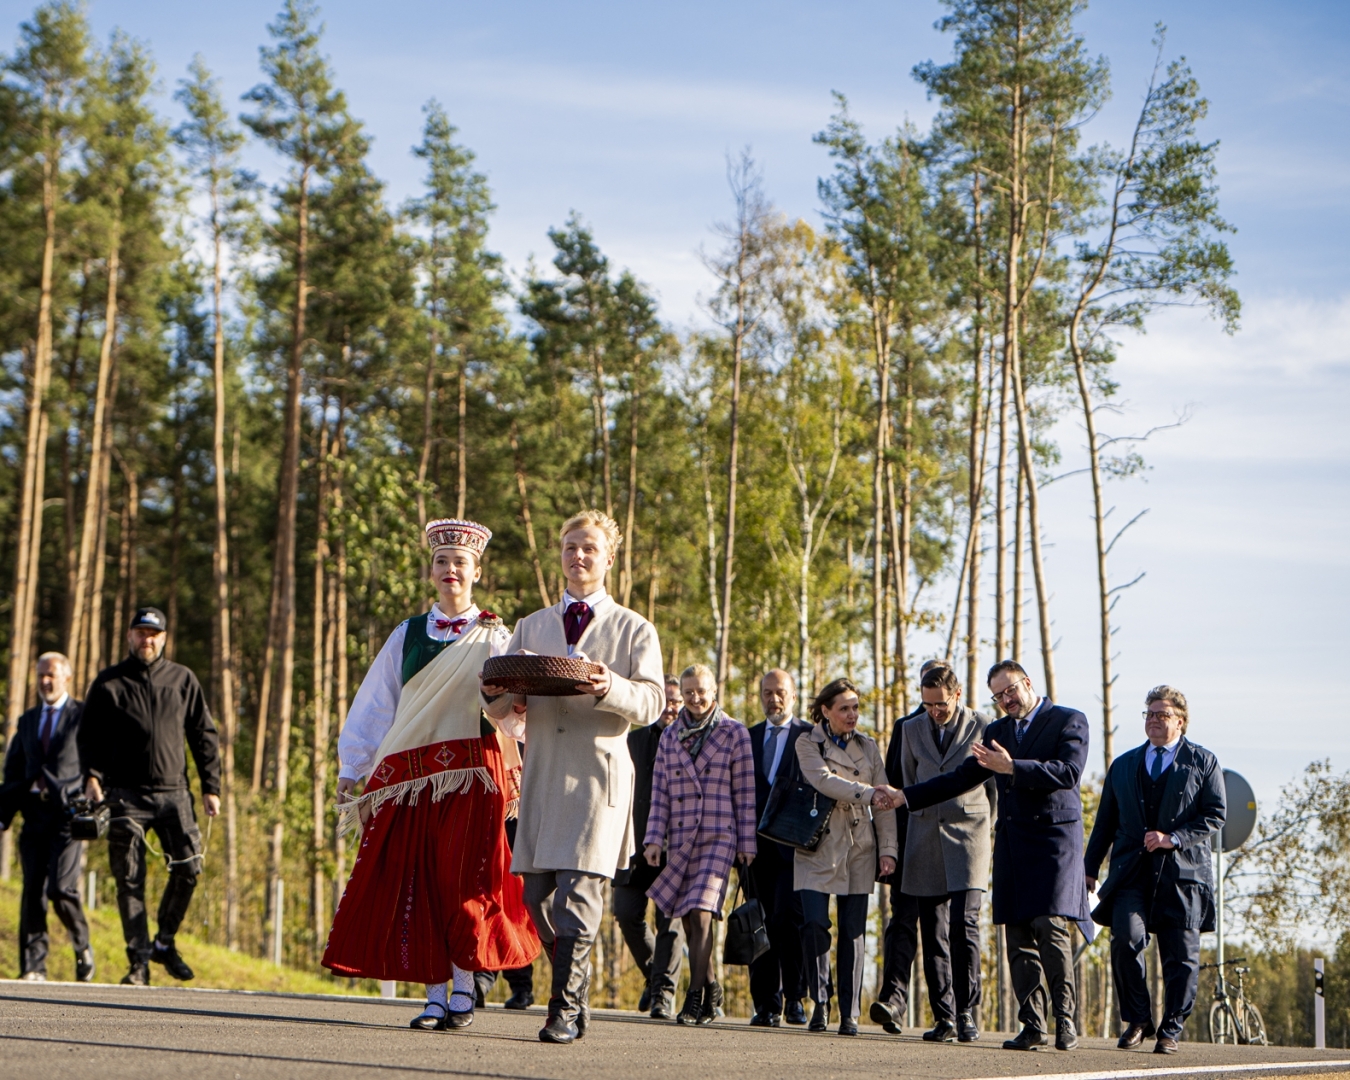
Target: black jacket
25	761
788	766
642	744
138	718
895	777
1194	807
1038	835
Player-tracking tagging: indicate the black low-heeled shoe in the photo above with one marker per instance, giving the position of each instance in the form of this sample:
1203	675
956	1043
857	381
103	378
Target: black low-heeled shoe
432	1018
454	1021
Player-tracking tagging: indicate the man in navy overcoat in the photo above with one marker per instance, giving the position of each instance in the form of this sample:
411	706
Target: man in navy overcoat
1036	754
1160	805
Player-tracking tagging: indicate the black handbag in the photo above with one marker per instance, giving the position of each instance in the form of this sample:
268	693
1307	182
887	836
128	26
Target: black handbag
747	937
795	814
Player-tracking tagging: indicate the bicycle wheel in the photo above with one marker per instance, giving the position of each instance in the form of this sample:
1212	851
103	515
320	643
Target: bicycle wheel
1221	1026
1254	1028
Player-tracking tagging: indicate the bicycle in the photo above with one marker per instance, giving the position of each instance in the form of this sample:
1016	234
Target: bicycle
1232	1018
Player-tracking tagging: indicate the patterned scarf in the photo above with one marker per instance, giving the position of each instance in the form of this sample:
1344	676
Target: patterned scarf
694	733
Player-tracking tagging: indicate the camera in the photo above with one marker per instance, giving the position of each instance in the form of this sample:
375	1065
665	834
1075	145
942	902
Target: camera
88	820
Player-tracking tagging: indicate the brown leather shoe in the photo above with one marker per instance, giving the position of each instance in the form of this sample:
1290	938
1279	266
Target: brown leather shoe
1133	1036
1165	1045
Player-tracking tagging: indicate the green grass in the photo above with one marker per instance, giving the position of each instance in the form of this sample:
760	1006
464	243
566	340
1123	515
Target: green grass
216	967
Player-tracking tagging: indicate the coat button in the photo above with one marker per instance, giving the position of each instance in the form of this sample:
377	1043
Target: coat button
855	772
680	799
562	731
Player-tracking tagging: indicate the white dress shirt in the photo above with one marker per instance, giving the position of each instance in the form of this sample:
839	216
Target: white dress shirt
591	600
372	711
1168	752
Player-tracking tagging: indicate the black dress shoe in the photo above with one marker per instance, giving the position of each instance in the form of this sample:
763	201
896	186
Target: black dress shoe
886	1015
848	1027
820	1016
663	1007
174	964
793	1013
139	975
1027	1039
558	1030
765	1019
522	999
943	1031
1065	1036
84	965
432	1018
1165	1045
645	1001
966	1031
1134	1036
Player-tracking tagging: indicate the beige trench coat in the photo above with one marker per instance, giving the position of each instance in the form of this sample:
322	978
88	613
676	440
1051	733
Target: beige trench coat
576	790
845	863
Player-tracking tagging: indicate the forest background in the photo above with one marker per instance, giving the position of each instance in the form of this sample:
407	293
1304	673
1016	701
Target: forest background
852	349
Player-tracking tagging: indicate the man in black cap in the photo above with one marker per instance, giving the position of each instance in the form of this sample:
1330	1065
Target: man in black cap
42	773
138	718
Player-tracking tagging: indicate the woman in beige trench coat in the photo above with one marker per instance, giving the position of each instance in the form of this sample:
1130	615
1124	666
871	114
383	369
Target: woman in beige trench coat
859	843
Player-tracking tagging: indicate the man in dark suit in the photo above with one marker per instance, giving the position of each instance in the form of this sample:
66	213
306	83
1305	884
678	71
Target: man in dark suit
901	942
1036	753
778	978
658	955
1160	805
42	772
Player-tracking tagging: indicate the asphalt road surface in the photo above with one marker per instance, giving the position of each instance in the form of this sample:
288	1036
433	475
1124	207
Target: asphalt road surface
106	1033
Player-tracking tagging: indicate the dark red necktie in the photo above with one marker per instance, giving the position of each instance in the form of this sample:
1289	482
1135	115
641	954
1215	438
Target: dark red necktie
455	626
575	620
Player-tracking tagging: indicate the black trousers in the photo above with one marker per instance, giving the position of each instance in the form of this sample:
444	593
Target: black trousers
951	951
1042	949
51	872
900	946
852	912
170	815
779	976
1180	954
658	954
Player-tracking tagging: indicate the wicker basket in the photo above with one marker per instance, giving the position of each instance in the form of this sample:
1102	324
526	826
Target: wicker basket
542	676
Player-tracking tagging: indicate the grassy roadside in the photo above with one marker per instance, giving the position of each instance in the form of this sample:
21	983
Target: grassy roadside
216	967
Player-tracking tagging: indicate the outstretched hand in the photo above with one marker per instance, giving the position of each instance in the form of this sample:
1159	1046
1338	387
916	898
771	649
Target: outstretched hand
885	797
993	757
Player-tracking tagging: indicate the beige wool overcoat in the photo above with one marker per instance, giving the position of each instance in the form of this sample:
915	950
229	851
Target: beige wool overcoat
845	863
576	790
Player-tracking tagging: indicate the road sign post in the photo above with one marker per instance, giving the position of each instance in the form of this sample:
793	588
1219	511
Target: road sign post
1237	828
1319	1005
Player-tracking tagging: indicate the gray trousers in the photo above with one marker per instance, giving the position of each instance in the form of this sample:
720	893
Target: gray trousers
565	904
1042	948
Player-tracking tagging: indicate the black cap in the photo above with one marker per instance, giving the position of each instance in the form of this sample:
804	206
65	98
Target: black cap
149	617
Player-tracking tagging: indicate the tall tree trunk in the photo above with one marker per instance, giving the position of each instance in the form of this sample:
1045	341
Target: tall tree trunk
69	460
881	348
79	623
34	473
525	517
223	658
1018	552
428	408
94	646
175	542
901	521
340	674
284	577
630	519
733	477
1034	528
601	420
462	440
322	666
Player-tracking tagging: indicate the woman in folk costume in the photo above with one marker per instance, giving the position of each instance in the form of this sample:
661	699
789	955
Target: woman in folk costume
431	897
703	815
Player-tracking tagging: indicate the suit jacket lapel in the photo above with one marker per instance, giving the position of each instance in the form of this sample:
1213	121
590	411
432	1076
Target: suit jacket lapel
960	731
1033	732
1177	776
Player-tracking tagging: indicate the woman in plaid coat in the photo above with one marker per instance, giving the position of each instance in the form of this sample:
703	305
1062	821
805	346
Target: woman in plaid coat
703	814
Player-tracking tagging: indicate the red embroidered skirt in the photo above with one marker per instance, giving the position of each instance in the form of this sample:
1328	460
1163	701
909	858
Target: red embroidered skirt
432	884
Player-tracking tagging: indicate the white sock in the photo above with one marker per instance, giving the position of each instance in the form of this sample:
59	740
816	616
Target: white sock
463	990
436	996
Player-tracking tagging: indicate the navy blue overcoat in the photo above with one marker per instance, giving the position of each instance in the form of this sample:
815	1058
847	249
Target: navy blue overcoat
1194	806
1038	833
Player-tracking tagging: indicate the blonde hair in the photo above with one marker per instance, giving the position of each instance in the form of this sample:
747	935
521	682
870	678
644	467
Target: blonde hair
700	672
594	519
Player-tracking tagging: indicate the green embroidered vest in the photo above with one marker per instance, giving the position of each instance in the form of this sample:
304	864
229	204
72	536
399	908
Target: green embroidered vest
419	650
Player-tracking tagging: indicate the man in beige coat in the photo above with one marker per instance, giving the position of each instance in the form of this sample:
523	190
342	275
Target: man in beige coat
575	828
947	854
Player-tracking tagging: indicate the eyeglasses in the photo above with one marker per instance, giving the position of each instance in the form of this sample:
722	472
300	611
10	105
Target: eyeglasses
932	705
1161	714
1007	692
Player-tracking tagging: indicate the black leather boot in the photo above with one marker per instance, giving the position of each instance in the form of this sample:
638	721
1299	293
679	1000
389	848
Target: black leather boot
571	974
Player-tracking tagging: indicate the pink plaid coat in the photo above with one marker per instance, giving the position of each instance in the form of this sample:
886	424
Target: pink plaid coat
704	814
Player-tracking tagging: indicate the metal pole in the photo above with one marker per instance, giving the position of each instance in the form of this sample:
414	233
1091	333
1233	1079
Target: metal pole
278	910
388	989
1319	1005
91	891
1219	914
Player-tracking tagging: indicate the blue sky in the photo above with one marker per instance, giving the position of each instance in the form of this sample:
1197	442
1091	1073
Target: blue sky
626	112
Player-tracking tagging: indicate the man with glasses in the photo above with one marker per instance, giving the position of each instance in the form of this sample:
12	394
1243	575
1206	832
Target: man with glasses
1160	805
1035	753
946	855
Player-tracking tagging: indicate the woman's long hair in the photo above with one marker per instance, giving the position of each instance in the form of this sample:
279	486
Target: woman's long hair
826	697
